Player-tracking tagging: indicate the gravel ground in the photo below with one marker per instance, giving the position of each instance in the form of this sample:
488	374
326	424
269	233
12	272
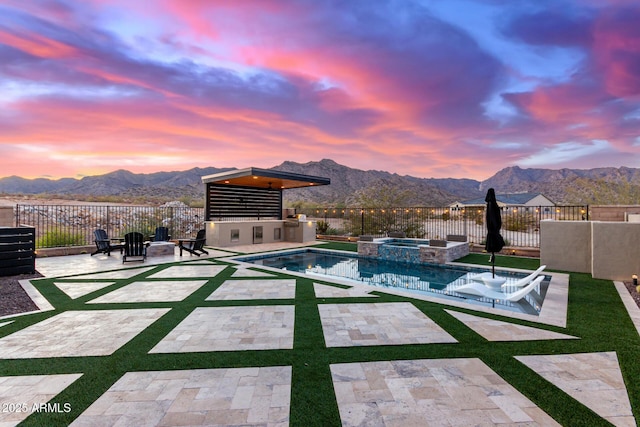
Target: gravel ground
13	299
634	293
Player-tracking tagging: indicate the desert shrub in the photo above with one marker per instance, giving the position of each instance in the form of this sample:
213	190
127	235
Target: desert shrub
414	230
60	237
322	227
518	222
334	232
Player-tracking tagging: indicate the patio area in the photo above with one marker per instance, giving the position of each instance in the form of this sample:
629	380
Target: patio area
202	341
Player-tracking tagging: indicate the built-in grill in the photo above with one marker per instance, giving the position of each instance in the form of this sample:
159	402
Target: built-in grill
291	222
294	221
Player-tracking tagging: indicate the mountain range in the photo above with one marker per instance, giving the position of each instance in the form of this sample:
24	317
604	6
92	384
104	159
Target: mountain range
563	186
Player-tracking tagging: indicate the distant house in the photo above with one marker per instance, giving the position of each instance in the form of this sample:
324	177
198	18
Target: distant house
521	202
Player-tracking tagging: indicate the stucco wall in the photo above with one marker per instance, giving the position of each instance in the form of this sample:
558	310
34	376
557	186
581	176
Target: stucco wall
219	232
615	250
606	249
7	218
566	245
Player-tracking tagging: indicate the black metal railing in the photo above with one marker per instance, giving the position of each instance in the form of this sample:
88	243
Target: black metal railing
73	225
520	225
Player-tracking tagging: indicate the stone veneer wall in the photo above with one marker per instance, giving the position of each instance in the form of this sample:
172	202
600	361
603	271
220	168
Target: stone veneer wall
368	249
400	253
435	255
424	254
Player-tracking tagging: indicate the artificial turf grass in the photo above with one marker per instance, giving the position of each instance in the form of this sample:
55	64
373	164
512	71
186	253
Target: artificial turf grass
313	401
595	336
340	246
374	358
506	261
570	410
292	409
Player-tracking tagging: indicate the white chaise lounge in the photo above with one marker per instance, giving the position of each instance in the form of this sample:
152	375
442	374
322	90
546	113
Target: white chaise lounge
478	289
517	284
526	280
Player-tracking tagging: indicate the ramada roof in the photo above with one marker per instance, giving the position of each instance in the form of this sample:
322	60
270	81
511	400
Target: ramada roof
264	178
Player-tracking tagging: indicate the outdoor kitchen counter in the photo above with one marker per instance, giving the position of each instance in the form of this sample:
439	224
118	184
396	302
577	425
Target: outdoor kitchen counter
235	233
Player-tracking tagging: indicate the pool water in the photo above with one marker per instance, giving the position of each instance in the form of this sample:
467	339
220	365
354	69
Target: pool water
409	243
426	279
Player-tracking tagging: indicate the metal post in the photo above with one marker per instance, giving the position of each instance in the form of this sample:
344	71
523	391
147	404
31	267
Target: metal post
108	222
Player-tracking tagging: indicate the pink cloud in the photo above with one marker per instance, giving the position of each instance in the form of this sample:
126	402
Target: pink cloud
617	50
258	82
36	45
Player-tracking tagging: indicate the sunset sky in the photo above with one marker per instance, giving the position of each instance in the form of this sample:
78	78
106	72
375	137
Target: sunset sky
429	88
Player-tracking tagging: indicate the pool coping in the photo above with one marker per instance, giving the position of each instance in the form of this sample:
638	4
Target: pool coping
553	312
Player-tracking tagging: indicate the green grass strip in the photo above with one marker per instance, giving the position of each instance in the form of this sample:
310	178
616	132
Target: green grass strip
595	315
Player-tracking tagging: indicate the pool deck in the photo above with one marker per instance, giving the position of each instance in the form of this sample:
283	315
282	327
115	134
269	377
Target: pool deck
242	309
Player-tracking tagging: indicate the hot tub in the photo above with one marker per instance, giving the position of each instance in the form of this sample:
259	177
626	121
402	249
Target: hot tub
413	250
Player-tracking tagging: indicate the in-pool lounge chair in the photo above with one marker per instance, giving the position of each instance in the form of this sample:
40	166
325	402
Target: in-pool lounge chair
478	289
525	280
517	284
134	247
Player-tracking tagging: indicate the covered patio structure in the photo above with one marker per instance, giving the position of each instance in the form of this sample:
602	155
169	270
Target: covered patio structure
244	206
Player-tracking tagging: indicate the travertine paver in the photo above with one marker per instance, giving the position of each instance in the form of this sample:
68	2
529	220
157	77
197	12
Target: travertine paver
78	333
496	330
604	388
79	289
326	291
188	271
116	274
20	396
86	264
229	397
594	379
255	289
151	291
347	325
245	272
440	392
231	328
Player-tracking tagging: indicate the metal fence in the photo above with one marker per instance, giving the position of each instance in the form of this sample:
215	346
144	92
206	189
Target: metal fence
73	225
520	225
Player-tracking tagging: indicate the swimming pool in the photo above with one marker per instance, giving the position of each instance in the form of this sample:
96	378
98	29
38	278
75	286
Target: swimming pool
426	279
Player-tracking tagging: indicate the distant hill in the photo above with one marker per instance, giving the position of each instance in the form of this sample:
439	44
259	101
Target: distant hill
568	186
345	181
163	185
571	186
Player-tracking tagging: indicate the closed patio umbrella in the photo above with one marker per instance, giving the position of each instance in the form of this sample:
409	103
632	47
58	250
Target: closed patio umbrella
494	242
